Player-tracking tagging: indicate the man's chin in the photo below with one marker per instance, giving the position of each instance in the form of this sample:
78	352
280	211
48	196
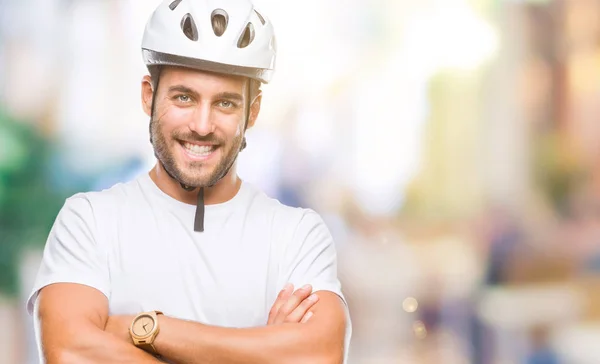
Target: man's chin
199	174
199	181
194	182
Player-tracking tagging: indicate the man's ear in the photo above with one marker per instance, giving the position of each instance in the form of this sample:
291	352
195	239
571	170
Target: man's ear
254	109
147	95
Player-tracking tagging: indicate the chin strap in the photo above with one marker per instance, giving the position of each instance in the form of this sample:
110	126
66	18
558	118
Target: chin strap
199	218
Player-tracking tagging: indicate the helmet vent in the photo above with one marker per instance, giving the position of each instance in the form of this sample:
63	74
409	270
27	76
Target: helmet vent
247	37
219	19
262	20
174	4
189	27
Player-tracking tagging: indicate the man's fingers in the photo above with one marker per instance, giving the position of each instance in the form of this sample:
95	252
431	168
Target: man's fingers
306	317
282	298
294	301
302	309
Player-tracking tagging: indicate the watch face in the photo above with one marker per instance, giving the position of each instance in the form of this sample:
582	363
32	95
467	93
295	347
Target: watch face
143	325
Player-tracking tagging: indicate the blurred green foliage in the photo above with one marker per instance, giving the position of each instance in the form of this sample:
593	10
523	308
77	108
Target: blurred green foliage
28	203
557	169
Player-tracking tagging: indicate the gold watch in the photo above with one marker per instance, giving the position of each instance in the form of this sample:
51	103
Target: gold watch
144	329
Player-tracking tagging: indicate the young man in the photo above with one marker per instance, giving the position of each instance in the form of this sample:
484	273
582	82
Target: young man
189	264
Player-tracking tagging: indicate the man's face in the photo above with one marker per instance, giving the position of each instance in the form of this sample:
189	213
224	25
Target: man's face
198	123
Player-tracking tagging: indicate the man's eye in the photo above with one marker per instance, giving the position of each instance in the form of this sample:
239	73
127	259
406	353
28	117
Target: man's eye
184	98
226	104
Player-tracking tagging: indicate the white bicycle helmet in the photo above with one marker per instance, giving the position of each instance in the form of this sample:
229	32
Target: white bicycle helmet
182	33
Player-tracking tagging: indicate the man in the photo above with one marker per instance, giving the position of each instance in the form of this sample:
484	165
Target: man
189	264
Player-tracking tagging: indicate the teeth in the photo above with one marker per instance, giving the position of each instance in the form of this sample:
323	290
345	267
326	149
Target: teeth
197	150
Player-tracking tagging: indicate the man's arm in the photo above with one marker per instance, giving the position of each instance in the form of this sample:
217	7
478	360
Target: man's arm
318	341
70	318
69	324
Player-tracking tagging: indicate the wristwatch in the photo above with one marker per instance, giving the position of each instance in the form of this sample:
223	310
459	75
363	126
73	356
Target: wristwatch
144	329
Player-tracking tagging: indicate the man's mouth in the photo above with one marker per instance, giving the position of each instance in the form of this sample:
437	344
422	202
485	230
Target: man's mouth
199	150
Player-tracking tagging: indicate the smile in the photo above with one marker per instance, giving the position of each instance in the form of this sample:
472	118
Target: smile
198	152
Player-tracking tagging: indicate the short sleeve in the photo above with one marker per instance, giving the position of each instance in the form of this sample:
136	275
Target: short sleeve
72	254
311	257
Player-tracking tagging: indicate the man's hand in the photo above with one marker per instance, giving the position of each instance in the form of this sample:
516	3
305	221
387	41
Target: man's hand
118	325
292	307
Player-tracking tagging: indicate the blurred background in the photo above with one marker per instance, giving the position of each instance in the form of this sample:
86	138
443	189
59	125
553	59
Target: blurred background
452	146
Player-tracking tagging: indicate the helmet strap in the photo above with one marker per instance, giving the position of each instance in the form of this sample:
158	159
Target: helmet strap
199	216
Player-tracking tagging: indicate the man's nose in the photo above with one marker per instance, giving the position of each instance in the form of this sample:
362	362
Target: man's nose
202	120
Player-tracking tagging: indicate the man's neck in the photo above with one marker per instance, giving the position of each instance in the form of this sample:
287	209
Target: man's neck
223	191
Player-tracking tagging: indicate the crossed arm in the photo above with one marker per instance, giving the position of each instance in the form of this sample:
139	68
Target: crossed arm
74	327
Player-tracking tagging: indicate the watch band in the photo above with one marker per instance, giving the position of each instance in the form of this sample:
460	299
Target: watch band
148	348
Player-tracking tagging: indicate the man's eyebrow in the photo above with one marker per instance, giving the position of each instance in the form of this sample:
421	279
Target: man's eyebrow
233	96
182	89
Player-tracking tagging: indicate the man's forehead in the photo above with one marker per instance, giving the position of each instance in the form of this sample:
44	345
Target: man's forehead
196	78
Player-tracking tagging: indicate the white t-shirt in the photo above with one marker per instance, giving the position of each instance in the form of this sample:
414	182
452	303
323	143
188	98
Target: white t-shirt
137	246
